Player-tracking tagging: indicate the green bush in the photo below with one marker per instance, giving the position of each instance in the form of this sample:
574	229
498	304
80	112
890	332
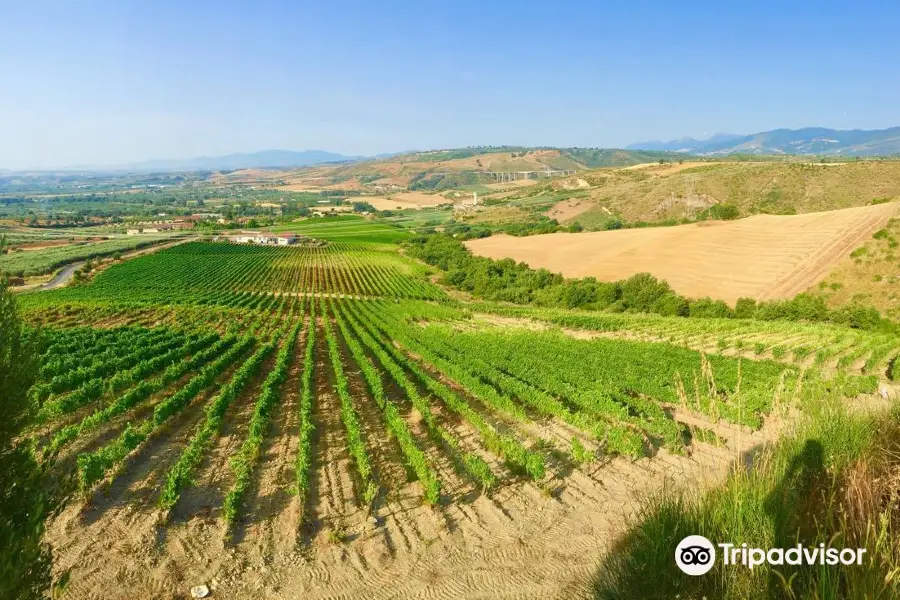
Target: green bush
641	291
671	305
709	308
722	212
25	559
745	308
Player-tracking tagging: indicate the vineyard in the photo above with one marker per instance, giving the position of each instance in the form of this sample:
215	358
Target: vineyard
330	421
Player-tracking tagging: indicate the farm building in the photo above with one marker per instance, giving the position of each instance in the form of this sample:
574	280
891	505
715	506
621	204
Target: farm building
265	239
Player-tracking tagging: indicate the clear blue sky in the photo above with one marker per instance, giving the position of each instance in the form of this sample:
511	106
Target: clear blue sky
108	82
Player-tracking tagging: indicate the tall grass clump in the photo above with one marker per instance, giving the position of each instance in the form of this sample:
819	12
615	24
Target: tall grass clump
834	478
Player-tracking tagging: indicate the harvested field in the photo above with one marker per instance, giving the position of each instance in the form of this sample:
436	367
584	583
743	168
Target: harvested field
764	256
569	209
513	184
405	200
666	168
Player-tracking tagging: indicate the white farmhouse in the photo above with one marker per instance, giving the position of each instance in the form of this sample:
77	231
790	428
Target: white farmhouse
264	239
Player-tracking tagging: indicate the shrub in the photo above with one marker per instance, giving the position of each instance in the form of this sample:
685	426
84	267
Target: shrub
723	212
671	305
25	559
579	293
709	308
612	224
641	291
745	308
803	307
858	317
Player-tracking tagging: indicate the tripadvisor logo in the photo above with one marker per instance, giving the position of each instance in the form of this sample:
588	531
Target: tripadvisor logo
696	555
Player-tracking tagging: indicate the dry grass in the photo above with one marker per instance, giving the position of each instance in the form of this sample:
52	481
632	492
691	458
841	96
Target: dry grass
869	276
405	200
655	192
567	210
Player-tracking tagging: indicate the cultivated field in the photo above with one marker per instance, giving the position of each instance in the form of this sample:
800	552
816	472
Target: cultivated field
327	423
405	200
762	257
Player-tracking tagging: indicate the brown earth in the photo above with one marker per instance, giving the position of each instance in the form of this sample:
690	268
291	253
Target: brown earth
405	200
519	541
763	257
569	209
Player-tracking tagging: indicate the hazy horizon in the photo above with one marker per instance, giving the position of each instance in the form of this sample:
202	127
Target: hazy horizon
106	83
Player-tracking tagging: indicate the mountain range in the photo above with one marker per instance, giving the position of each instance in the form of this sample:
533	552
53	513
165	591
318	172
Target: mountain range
809	140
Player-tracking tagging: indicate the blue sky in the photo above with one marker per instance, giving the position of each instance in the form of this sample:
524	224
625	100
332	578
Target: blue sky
97	82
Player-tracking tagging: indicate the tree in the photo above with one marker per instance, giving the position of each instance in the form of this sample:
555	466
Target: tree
25	503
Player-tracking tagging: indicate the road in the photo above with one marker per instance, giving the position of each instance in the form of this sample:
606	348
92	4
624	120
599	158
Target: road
61	278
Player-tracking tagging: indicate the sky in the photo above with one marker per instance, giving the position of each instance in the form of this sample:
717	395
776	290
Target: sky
95	82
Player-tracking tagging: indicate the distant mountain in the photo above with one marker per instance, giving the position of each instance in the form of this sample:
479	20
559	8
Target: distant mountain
684	144
265	158
810	140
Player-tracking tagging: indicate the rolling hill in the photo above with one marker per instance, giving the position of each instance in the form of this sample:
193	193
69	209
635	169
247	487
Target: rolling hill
656	192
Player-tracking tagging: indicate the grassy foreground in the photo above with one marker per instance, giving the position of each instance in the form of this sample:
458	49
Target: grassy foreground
833	479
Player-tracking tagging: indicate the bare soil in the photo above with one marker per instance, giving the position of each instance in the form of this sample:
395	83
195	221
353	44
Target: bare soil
405	200
520	541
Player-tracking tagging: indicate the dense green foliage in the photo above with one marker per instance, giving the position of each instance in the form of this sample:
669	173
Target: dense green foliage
25	559
446	181
228	274
535	226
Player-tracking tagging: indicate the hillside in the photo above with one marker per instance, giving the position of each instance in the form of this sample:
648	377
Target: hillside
764	257
809	140
442	170
870	275
657	192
